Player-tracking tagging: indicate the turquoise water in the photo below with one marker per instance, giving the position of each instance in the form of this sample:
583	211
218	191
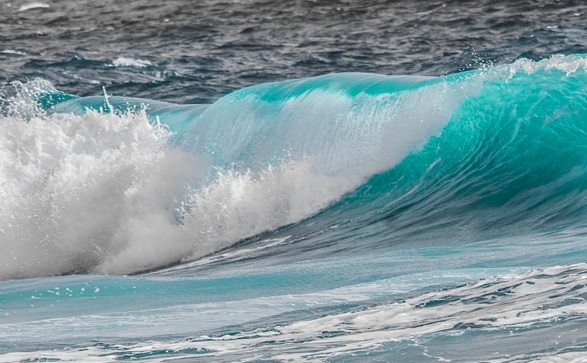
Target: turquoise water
350	217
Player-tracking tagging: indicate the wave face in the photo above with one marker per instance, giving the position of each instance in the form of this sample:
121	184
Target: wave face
115	185
511	161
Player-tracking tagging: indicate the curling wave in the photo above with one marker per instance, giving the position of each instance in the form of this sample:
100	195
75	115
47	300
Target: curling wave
121	185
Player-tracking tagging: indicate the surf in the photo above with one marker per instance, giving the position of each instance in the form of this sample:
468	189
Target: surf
119	185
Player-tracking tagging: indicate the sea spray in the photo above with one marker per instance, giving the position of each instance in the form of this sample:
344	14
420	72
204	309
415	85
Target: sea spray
104	192
75	187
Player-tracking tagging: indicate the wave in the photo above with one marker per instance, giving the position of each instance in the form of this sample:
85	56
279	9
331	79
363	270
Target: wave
511	161
122	185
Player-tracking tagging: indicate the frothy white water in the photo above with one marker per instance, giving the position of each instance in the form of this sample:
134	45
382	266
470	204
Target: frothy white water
78	190
513	302
565	63
104	193
232	207
34	5
495	319
130	62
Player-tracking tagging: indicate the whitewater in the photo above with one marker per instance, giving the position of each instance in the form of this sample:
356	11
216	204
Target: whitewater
283	189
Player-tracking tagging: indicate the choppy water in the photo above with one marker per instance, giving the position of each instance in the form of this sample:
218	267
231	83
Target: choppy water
305	181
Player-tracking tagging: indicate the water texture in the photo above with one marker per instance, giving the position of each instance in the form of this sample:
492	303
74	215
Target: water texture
254	181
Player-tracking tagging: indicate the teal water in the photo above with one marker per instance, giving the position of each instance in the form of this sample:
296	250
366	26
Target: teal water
347	218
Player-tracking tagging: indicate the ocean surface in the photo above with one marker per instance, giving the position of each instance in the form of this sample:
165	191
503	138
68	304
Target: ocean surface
293	181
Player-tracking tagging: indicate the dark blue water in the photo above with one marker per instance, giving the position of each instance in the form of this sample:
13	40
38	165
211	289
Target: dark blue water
307	181
197	52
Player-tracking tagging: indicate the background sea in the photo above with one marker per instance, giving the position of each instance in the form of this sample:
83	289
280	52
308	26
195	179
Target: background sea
293	181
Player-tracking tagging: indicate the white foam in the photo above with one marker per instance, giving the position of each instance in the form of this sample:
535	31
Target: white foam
105	193
130	62
531	301
10	51
72	187
565	63
236	206
35	5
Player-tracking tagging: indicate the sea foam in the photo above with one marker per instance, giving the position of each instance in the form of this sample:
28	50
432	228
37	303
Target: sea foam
76	189
105	193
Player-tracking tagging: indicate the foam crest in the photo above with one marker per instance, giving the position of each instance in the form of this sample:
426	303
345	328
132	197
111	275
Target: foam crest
251	203
74	186
33	5
19	100
232	207
130	62
565	63
105	193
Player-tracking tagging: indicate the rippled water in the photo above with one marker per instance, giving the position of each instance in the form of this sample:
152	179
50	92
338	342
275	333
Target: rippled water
195	52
